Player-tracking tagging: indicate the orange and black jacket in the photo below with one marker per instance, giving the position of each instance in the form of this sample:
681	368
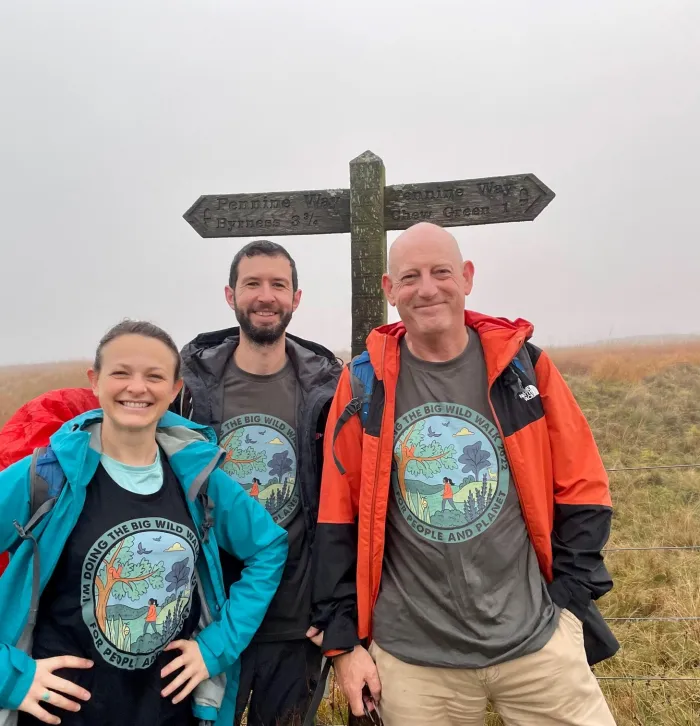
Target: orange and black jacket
555	466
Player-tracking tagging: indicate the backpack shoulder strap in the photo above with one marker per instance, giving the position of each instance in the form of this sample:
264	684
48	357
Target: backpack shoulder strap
38	486
46	479
523	378
362	380
523	362
319	692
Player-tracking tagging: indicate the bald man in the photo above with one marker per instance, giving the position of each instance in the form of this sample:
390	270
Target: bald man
491	599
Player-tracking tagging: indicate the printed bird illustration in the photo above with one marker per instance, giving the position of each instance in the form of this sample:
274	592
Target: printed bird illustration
248	440
158	539
141	551
433	433
445	423
261	433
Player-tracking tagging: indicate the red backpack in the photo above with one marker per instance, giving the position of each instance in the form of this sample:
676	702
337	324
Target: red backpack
34	423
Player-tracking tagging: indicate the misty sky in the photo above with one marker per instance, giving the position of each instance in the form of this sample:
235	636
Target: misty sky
116	116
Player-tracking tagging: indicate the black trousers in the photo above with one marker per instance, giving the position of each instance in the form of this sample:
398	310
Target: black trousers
277	682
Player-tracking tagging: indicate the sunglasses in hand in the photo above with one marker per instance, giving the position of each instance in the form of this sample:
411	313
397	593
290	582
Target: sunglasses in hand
374	716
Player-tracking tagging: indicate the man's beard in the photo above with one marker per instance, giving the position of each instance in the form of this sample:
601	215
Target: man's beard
262	336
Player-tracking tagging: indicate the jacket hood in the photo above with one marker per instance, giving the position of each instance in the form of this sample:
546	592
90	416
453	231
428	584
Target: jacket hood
191	448
501	339
207	355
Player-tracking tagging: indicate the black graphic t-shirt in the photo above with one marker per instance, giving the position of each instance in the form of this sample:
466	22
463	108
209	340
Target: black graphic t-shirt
461	587
124	587
259	437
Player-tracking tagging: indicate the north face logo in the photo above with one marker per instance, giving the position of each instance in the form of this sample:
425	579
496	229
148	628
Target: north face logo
528	393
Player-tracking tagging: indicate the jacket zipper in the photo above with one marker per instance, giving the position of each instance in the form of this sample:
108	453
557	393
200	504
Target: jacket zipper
505	448
372	512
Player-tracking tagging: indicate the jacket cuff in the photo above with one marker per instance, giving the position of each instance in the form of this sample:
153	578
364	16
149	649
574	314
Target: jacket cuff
571	595
211	651
19	680
340	636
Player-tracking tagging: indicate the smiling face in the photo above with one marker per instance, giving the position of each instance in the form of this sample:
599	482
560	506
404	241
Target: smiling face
263	299
428	281
135	383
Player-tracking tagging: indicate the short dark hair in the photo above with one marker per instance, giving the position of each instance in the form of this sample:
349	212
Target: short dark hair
262	247
137	327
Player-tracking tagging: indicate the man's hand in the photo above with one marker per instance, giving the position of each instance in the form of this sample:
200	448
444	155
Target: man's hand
47	688
193	669
315	636
352	671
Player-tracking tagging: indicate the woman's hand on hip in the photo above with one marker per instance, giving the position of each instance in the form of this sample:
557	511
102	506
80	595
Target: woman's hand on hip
48	688
193	669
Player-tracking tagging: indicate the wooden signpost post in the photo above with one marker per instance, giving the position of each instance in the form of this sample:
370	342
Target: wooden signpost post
367	210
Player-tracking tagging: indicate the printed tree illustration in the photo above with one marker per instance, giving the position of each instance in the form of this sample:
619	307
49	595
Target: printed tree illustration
168	626
486	491
474	459
119	577
178	579
271	503
241	462
280	464
477	501
418	457
470	507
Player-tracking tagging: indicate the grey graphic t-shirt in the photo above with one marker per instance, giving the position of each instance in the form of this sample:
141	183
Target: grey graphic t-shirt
259	437
461	586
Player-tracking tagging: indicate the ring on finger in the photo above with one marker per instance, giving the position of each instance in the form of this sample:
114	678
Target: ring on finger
46	696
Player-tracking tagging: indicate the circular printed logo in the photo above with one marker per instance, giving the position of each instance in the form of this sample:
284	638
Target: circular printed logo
136	589
450	475
261	455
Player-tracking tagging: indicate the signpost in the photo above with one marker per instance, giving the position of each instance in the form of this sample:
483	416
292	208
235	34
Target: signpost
367	210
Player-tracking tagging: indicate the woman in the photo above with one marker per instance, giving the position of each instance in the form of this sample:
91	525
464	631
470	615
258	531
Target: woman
129	529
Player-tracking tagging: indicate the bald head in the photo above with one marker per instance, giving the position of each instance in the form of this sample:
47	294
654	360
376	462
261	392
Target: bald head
423	240
427	282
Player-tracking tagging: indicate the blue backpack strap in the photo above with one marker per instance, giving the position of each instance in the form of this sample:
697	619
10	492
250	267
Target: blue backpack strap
362	380
46	479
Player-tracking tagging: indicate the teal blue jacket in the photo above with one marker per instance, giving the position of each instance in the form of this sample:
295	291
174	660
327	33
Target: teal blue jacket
241	527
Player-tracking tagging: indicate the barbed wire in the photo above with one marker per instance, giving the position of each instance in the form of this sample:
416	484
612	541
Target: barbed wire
648	678
647	549
659	619
658	466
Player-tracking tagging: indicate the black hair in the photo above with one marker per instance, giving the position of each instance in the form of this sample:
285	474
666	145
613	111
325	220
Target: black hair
262	247
137	327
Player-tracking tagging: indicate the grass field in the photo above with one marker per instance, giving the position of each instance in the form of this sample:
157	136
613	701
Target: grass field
643	403
19	384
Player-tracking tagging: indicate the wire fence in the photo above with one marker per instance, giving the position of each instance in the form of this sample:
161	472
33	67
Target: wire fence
657	466
649	549
663	548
